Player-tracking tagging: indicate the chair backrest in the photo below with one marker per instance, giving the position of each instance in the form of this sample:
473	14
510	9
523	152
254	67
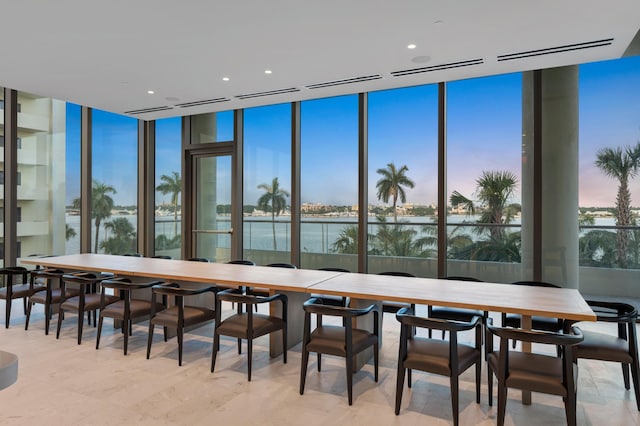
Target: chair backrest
462	278
242	262
198	259
282	265
315	306
161	256
536	284
406	317
613	311
331	269
397	274
133	254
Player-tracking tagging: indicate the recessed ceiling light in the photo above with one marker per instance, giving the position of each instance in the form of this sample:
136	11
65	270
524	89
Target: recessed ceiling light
411	46
151	92
267	71
225	78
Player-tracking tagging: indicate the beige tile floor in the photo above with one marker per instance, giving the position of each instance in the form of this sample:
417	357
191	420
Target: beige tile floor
62	383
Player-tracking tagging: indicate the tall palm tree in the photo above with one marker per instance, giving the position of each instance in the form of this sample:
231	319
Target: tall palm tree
172	185
391	185
493	191
621	164
101	205
123	239
276	198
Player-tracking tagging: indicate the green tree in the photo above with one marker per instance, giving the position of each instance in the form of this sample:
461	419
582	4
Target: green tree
101	205
621	164
493	191
69	232
172	185
347	241
273	197
122	239
391	185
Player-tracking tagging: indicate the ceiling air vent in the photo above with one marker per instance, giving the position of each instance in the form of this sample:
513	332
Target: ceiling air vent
440	67
268	93
203	102
146	110
345	81
557	49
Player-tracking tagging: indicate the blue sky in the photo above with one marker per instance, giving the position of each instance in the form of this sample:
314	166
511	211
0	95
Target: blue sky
483	133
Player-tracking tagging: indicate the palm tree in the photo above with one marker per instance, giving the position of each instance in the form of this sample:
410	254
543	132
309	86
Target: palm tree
621	164
172	185
391	184
347	242
69	232
277	199
494	189
101	205
123	239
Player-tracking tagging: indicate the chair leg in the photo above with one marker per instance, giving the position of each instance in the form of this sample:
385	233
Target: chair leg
636	381
47	318
375	361
80	324
7	314
399	386
127	331
303	368
150	338
26	322
239	346
478	379
60	316
319	361
625	375
250	355
349	360
455	393
99	331
409	378
180	337
285	345
570	409
216	347
490	384
24	305
502	403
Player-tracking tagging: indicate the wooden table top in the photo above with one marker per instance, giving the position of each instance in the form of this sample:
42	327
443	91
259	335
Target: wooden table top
525	300
184	270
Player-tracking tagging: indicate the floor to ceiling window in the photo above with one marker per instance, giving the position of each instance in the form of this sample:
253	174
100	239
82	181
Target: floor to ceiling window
168	184
267	184
2	162
403	180
609	181
114	183
212	127
329	183
484	155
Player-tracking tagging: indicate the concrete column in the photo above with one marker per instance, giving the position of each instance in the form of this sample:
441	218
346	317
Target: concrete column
559	170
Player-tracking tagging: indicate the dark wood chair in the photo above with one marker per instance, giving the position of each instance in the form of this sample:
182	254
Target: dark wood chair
198	259
127	308
13	290
622	348
248	325
533	371
344	341
447	358
537	322
161	256
456	314
87	298
179	315
50	279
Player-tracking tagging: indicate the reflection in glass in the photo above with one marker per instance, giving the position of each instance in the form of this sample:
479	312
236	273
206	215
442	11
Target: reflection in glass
212	127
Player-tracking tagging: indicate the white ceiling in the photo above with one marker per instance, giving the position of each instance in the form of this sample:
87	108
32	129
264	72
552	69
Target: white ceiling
108	54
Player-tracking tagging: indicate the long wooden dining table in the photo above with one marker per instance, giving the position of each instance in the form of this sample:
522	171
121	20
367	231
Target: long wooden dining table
363	288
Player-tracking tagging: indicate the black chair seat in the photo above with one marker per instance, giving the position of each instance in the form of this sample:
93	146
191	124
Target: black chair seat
238	325
433	356
56	293
19	291
137	308
329	339
192	315
604	346
535	372
91	302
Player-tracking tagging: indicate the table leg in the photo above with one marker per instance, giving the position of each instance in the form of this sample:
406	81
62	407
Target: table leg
526	347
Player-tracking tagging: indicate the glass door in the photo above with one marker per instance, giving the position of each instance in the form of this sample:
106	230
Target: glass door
211	210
